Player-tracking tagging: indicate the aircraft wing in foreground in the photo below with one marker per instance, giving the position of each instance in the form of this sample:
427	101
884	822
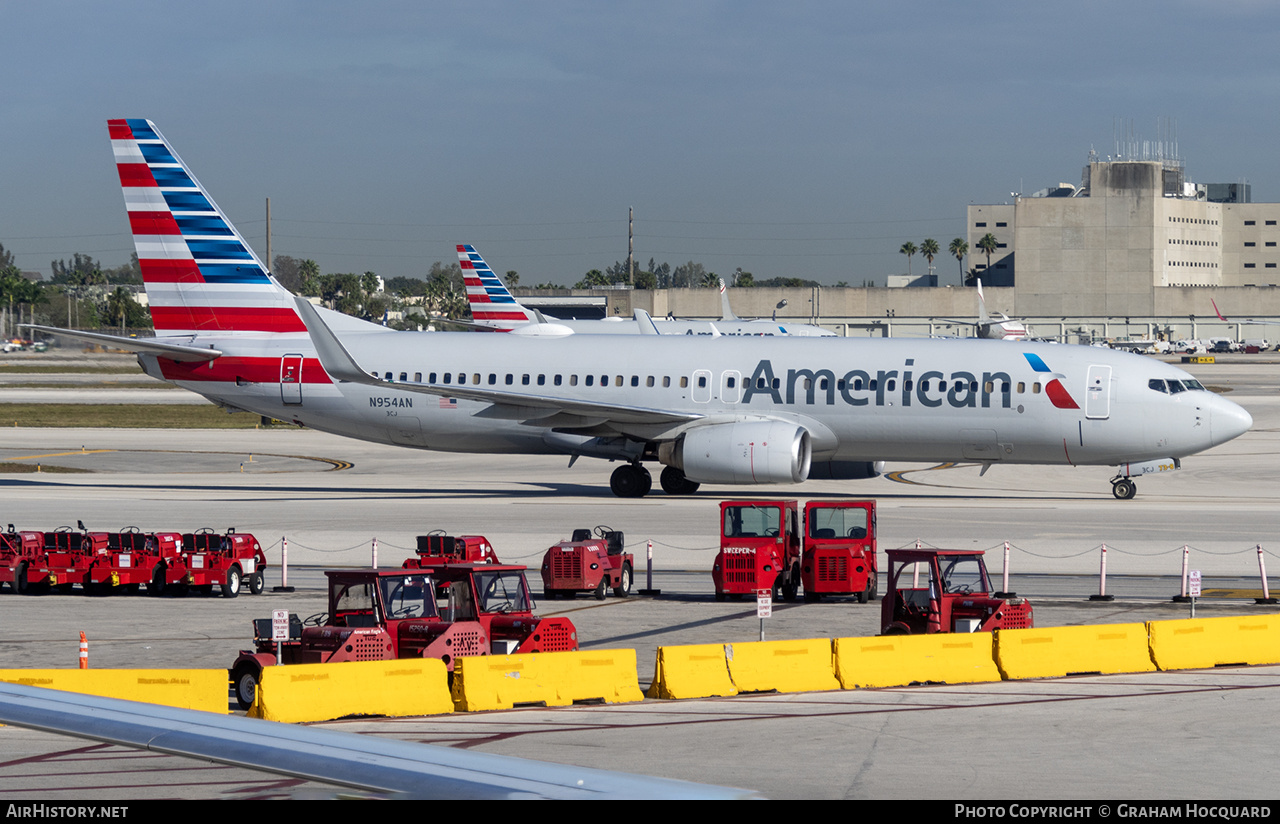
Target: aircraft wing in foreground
375	764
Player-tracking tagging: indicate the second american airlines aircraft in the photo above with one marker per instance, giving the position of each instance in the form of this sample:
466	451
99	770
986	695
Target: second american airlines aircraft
728	410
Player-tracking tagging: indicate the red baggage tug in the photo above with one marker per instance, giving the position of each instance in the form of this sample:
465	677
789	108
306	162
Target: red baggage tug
442	609
587	564
946	590
759	550
839	550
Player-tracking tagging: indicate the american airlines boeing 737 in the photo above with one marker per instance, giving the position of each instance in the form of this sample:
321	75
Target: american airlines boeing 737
727	409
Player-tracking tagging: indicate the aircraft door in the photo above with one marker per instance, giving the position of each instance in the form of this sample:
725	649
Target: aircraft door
1097	394
291	380
730	386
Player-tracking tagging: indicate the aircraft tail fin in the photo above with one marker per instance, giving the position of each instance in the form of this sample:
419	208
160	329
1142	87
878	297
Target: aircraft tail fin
1217	311
201	275
491	302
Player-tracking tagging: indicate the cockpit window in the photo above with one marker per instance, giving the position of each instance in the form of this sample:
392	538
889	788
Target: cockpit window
1156	384
1192	384
1175	387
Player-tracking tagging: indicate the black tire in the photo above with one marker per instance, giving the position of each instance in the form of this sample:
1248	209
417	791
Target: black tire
601	587
157	585
675	483
257	583
231	588
628	481
792	587
874	589
548	594
811	597
20	579
623	589
896	629
1124	489
244	683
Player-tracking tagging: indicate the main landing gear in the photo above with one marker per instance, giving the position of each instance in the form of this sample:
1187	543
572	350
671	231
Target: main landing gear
1123	488
634	481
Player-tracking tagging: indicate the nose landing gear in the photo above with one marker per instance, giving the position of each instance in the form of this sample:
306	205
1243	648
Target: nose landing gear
1123	488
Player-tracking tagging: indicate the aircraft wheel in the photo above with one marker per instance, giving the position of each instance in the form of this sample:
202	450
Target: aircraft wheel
1124	489
675	483
629	481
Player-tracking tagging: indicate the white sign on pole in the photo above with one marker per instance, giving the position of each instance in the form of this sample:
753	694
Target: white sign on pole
764	604
1193	583
279	625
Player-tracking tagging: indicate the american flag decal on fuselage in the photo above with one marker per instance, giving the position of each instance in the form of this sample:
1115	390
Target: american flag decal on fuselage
201	276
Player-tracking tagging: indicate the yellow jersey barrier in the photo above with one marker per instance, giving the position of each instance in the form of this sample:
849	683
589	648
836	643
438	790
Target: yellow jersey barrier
556	679
295	693
191	689
692	671
898	660
1058	651
784	666
1200	643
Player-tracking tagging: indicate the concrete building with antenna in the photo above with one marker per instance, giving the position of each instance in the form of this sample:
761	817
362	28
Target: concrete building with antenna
1116	244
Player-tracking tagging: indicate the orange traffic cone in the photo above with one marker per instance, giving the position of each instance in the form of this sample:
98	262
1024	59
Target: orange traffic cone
84	652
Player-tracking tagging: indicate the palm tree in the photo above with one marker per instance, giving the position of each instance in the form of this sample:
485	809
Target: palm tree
988	244
959	248
929	248
908	249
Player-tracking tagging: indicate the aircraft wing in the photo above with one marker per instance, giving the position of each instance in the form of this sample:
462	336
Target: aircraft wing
400	769
340	365
149	346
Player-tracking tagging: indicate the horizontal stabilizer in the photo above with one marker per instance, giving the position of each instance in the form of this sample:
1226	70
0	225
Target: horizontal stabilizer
147	346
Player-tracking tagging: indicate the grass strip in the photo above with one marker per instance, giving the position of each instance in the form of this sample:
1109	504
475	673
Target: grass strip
126	416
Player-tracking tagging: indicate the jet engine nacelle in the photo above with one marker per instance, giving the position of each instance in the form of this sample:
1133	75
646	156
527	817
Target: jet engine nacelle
745	452
846	470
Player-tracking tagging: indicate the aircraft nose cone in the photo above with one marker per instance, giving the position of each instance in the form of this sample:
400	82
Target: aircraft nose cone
1228	420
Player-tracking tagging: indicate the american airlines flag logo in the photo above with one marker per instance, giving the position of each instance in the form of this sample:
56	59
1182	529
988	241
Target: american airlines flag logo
448	403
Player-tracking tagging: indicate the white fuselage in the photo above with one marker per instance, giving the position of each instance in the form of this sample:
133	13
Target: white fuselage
860	399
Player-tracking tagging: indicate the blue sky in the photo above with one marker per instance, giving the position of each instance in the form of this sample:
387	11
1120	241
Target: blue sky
806	139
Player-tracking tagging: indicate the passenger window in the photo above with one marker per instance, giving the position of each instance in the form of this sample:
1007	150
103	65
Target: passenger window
573	380
448	377
475	379
591	380
417	377
684	382
431	378
649	381
1035	388
542	380
404	377
524	380
666	382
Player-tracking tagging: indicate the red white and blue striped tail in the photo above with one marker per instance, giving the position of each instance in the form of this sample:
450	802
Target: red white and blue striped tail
201	275
491	303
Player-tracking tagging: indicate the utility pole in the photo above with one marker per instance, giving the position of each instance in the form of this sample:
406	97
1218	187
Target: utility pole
631	237
269	234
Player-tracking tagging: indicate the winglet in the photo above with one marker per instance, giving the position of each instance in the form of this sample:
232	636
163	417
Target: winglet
726	312
645	323
334	357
